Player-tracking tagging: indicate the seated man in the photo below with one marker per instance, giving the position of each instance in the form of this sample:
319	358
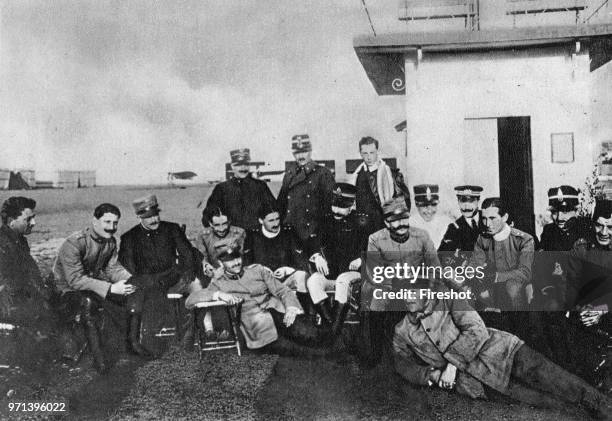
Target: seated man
344	239
280	250
160	251
444	342
218	234
271	317
89	275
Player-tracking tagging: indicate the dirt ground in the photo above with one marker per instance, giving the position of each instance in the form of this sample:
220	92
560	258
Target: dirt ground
222	385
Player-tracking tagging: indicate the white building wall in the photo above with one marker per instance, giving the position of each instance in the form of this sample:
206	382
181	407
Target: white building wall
443	90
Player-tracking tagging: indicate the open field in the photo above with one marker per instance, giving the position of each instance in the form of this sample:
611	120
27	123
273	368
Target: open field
224	386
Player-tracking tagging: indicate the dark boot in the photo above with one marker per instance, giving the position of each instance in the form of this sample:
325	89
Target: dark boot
188	339
339	316
92	333
307	305
134	337
325	312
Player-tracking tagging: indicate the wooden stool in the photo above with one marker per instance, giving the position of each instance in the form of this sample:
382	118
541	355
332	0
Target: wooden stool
176	300
232	314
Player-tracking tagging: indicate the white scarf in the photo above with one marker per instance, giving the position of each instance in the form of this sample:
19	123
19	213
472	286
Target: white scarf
384	179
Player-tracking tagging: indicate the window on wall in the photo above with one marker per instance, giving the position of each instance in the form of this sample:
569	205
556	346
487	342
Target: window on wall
562	148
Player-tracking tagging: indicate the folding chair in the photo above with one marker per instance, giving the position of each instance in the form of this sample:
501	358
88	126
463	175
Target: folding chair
205	345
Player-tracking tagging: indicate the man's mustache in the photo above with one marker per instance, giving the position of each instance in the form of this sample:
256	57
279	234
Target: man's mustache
399	227
110	231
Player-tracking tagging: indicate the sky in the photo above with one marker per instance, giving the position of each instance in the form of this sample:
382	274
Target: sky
135	89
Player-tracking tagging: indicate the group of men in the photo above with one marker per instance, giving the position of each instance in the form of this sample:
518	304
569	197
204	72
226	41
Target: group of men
280	258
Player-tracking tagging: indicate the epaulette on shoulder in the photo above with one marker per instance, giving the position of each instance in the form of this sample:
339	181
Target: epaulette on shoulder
517	233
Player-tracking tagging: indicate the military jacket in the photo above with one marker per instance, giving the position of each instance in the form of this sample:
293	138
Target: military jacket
589	274
461	236
305	198
242	199
435	228
210	245
165	249
285	249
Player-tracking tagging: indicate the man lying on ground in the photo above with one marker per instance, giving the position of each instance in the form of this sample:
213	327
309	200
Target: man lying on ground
271	318
445	343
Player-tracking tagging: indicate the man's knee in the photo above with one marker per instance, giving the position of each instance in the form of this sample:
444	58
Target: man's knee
316	282
300	280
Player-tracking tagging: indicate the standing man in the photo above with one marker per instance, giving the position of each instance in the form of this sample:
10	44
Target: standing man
506	254
426	199
279	249
242	196
398	243
461	235
88	275
306	194
376	184
344	240
24	298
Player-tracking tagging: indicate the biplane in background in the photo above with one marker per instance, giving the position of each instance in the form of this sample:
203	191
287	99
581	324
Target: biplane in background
181	179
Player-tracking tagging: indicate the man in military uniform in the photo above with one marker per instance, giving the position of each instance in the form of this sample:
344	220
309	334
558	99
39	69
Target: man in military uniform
89	275
398	243
218	234
160	251
344	239
25	300
505	256
376	184
242	196
426	199
462	234
271	318
157	248
278	248
306	192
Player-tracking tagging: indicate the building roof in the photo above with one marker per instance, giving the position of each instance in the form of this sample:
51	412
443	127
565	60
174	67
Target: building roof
382	56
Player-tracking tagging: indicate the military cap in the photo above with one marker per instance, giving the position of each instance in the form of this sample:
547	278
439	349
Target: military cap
240	156
426	194
563	198
229	253
603	209
146	206
395	209
301	143
344	195
468	191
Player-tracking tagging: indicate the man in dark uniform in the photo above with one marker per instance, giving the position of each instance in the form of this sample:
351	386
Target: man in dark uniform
344	239
376	184
589	290
242	196
157	248
461	235
278	248
306	193
160	251
557	238
25	300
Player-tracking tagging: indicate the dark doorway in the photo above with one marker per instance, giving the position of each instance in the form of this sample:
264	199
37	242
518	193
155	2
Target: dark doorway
515	170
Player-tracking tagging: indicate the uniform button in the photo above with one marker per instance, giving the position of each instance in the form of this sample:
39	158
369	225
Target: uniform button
437	343
288	197
428	330
307	195
289	211
308	224
310	182
307	210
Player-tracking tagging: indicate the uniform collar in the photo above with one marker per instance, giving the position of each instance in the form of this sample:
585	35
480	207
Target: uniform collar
97	238
269	234
232	276
503	234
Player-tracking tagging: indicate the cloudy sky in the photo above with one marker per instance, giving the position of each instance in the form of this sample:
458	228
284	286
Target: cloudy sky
134	89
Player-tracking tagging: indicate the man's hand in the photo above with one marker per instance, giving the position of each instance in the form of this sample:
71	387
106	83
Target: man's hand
355	264
447	379
591	317
228	298
321	264
434	377
290	316
121	288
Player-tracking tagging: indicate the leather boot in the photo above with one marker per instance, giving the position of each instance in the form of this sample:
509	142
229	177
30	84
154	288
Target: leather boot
325	312
307	305
92	333
339	316
134	337
188	339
